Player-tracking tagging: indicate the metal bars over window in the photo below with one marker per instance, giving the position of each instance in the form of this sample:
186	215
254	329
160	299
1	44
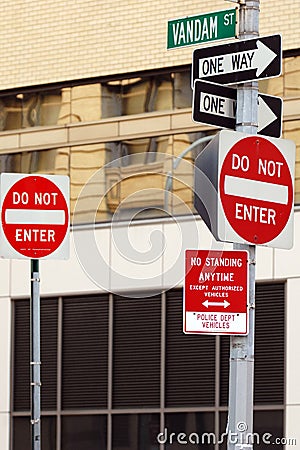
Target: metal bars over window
108	361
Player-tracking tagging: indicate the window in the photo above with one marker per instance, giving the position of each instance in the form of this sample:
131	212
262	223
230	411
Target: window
167	90
84	353
86	432
269	347
117	372
136	353
194	430
95	101
139	178
135	431
102	98
190	361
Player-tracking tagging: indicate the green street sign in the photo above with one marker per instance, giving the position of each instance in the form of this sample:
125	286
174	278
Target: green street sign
202	28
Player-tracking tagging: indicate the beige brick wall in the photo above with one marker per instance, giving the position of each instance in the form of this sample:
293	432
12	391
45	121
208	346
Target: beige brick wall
43	42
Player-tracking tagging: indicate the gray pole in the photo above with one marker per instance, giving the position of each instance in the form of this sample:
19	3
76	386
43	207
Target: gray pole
241	372
35	363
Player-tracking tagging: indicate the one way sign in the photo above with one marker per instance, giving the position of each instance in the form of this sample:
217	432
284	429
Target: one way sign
245	60
215	104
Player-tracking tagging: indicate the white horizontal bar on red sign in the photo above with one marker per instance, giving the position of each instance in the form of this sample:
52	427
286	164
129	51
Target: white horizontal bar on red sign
258	190
35	216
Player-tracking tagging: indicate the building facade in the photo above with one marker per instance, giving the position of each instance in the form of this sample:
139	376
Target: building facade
89	90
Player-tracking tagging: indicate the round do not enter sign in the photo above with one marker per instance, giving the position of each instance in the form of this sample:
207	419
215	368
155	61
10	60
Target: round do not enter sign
256	189
35	216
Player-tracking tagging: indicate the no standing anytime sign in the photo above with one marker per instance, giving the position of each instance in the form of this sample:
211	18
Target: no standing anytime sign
216	292
34	216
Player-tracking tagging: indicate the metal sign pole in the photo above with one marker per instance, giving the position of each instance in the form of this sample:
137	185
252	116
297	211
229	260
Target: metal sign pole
241	373
35	363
